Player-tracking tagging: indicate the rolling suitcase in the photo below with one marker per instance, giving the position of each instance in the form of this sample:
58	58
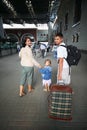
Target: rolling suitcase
60	102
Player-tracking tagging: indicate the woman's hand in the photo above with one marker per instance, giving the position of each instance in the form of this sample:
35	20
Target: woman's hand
40	66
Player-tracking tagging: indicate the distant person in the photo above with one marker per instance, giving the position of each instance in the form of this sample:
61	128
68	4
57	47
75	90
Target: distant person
27	63
48	47
63	67
37	48
43	49
18	47
46	72
54	50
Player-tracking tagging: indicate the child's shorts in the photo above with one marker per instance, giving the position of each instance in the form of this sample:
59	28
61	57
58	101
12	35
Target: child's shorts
46	82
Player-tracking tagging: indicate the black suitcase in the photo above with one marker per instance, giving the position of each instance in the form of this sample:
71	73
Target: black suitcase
60	102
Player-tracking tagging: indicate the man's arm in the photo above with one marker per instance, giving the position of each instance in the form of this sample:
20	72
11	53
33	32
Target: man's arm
60	68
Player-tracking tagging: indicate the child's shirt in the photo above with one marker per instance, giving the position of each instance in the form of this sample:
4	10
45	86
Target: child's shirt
46	72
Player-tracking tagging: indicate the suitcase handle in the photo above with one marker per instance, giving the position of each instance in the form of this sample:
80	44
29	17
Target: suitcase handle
60	82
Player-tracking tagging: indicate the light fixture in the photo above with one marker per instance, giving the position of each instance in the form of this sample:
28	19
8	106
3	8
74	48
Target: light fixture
53	9
10	6
51	3
30	8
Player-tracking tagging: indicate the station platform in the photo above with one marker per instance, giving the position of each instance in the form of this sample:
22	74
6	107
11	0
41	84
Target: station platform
30	112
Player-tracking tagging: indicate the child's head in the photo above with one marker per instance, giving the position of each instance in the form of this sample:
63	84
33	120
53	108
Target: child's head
47	62
58	38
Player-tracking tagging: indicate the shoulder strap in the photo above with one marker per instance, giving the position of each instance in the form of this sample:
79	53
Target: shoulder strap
64	57
43	44
63	46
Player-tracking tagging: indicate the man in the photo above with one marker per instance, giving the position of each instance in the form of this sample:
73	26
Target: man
63	67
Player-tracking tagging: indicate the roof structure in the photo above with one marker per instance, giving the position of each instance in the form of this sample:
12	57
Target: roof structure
28	11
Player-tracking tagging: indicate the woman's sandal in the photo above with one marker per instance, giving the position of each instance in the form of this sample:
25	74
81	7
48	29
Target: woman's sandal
22	94
31	90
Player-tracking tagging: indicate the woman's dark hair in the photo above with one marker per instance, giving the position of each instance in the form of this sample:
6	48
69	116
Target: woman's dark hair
24	40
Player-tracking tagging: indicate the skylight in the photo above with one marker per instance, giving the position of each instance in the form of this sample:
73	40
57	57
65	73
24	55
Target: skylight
25	26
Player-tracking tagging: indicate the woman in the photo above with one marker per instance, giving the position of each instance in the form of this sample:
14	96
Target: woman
27	63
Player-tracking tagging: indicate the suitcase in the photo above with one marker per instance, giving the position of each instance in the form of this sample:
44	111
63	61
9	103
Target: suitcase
60	102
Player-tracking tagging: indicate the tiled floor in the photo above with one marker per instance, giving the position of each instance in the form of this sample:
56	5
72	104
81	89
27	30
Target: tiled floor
31	111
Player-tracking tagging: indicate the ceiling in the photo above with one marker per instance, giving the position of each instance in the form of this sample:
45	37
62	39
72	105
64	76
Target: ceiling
21	11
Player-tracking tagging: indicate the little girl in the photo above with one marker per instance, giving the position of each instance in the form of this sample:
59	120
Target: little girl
46	72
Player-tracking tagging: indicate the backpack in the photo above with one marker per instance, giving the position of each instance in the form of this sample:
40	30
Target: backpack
74	54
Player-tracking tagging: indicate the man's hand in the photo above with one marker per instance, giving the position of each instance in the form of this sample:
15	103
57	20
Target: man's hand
60	69
59	77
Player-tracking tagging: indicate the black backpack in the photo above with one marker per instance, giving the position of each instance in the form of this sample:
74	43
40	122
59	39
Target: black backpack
74	54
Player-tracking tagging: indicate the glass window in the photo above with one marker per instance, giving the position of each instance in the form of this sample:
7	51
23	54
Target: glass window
77	12
66	21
